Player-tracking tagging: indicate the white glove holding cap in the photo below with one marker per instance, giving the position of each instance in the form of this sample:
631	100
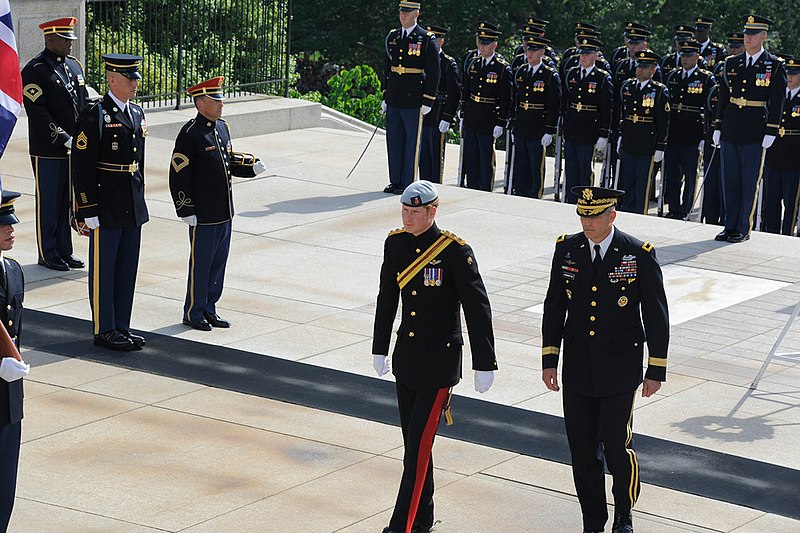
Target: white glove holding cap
259	167
768	140
383	106
426	109
191	220
701	145
546	139
12	370
483	380
381	364
92	222
497	132
444	126
601	144
658	156
716	136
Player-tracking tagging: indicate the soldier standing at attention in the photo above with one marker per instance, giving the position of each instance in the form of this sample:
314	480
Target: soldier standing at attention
751	95
672	60
411	77
644	126
436	123
711	52
436	274
55	94
486	104
108	166
604	301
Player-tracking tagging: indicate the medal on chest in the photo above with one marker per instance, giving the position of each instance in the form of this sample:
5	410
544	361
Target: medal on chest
433	277
626	270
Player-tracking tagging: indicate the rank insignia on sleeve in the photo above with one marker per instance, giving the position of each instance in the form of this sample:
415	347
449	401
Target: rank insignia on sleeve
469	260
179	161
81	142
32	92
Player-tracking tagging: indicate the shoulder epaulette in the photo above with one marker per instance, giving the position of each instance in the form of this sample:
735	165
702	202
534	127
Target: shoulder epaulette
455	237
78	61
705	71
448	57
502	60
561	238
602	70
647	247
396	231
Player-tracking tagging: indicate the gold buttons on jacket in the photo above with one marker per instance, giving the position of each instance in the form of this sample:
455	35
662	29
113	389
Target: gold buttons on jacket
418	250
594	289
413	313
10	322
592	318
410	333
594	304
413	293
591	333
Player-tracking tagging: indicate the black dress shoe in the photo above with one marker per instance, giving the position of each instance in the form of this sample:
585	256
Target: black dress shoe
738	237
389	188
398	189
201	324
216	320
137	340
723	235
623	523
72	261
54	264
114	340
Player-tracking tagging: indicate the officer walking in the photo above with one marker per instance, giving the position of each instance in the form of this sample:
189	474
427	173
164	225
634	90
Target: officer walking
604	301
644	126
12	370
537	104
436	274
782	164
752	91
55	94
587	103
436	123
486	104
711	52
200	181
688	89
411	77
108	166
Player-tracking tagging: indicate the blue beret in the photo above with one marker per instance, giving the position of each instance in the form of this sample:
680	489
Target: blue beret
419	193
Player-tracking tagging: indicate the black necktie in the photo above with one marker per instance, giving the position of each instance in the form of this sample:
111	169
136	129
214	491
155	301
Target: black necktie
583	73
749	62
405	35
597	259
127	111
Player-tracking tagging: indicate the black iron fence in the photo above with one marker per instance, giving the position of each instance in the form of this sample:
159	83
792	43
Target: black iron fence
184	42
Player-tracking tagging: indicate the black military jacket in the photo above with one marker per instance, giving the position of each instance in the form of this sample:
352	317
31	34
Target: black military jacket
486	95
537	101
644	117
605	319
12	293
751	99
200	171
419	53
784	154
713	53
55	94
689	97
427	353
448	93
108	164
587	105
712	102
574	60
520	58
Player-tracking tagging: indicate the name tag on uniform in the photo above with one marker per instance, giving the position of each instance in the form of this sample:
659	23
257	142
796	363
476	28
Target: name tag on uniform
115	125
210	148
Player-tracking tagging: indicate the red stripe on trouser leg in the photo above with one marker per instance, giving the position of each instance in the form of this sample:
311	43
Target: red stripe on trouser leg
424	455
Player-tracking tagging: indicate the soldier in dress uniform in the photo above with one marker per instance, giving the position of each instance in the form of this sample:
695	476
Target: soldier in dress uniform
734	47
587	103
534	27
752	91
411	77
486	99
672	60
436	123
711	52
782	164
537	105
55	94
12	370
200	180
644	126
604	301
688	89
436	274
571	57
472	54
108	177
624	51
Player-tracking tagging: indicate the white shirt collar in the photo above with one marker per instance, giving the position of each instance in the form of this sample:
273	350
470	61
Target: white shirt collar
754	56
794	91
689	72
534	68
409	30
642	84
603	245
485	61
704	44
588	70
117	101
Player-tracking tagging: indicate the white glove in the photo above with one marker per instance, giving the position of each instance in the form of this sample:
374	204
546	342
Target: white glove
483	380
547	139
716	136
381	364
259	167
497	132
461	124
12	370
383	106
701	146
426	109
191	220
619	144
444	126
768	140
601	144
92	222
658	156
68	144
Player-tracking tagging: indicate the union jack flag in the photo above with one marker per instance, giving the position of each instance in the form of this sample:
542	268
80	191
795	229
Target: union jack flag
10	80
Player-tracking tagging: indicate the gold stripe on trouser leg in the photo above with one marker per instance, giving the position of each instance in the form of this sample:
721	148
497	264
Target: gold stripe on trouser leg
443	138
794	211
649	180
96	281
633	488
758	186
191	272
541	173
38	208
696	175
416	150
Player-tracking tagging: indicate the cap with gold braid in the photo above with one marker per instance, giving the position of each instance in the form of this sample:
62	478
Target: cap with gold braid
125	64
487	33
756	24
62	27
704	22
593	201
646	58
7	215
211	88
792	65
439	31
409	6
736	39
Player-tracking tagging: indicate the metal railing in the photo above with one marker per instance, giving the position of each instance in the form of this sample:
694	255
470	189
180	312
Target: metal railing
184	42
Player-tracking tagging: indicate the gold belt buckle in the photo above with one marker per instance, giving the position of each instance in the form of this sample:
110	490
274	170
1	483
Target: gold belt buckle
579	107
400	70
133	167
635	119
782	132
